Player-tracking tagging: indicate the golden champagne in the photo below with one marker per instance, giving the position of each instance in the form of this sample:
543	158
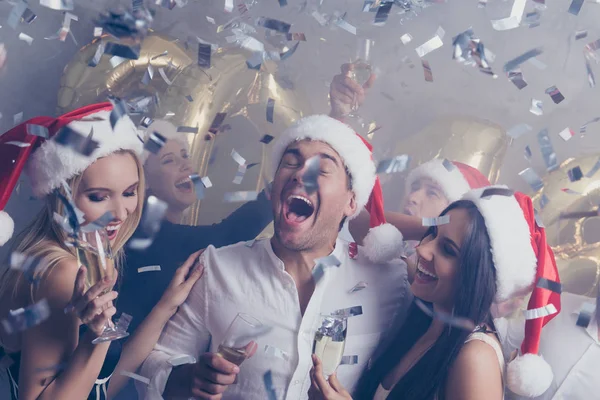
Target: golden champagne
233	355
97	266
329	351
360	73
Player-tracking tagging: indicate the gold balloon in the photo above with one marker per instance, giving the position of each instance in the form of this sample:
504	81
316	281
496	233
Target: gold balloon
192	97
575	241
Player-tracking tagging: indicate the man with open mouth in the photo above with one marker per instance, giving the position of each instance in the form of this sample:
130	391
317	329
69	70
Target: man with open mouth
324	175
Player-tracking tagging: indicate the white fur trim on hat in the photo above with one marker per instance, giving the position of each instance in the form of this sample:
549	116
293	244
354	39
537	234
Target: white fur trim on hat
383	243
7	227
529	375
453	183
354	153
52	163
513	255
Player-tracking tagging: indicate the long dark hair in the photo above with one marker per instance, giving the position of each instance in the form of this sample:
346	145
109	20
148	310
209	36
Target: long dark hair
474	295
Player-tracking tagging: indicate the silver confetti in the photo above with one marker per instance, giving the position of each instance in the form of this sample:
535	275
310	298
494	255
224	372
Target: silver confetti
353	311
100	223
24	318
393	165
18	144
547	150
237	157
163	75
532	178
58	5
513	20
239	175
432	44
272	351
515	62
536	107
358	287
148	268
594	169
458	322
236	197
17	118
349	360
26	38
436	221
518	130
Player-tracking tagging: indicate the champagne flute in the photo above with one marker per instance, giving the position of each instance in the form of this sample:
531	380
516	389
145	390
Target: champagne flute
239	342
94	252
330	341
362	70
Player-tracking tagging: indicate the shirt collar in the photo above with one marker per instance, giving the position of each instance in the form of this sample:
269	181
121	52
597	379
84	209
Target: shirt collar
592	328
338	252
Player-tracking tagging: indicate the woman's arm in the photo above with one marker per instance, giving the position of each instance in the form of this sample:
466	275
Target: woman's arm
55	362
139	346
475	374
411	227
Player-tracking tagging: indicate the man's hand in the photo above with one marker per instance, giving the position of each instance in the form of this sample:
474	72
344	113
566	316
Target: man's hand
211	375
345	92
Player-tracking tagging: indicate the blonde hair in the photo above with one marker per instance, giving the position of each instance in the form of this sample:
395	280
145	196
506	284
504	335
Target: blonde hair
44	239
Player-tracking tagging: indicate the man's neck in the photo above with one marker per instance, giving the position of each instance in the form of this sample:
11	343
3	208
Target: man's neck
300	262
174	216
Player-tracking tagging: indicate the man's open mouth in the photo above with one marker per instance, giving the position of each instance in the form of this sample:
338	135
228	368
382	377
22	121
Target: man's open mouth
298	208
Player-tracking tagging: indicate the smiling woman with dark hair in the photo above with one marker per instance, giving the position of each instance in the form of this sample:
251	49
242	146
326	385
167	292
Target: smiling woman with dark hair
490	249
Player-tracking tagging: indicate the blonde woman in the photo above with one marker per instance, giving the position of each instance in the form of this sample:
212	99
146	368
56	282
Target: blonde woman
55	359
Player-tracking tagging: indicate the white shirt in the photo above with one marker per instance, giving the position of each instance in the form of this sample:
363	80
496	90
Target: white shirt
251	279
572	351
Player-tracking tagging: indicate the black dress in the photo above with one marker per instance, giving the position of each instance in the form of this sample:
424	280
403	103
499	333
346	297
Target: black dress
100	387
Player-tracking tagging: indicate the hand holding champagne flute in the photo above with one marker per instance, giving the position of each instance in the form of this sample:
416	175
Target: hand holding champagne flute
330	341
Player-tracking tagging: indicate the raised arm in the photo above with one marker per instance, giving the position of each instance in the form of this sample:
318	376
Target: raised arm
56	341
139	346
411	227
184	334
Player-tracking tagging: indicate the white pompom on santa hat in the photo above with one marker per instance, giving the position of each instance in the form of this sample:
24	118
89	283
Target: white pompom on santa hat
383	242
522	259
48	163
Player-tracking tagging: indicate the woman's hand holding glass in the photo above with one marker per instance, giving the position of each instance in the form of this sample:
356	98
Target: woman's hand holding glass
93	308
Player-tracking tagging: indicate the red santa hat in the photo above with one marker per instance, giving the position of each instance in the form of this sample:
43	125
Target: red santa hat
455	178
48	163
523	260
383	242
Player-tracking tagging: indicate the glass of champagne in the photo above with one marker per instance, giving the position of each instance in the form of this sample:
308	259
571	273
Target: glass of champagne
361	69
330	341
239	342
94	252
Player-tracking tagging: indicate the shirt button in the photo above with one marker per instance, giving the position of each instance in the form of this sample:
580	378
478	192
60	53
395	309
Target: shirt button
296	382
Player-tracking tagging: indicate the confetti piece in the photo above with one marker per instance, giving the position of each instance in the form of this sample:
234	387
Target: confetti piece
536	107
27	265
237	157
118	111
148	75
217	122
97	31
585	314
26	38
95	60
236	197
19	144
528	153
494	191
204	54
296	36
540	312
345	25
594	169
436	221
518	130
514	20
532	178
575	7
458	322
187	129
228	6
181	360
24	318
155	142
590	73
547	150
288	53
322	264
581	35
516	77
566	134
146	122
16	13
538	218
282	3
358	287
58	5
148	268
270	109
544	201
137	377
348	312
570	191
124	321
406	38
427	71
76	141
432	44
555	94
349	360
163	75
274	24
154	212
272	351
38	130
239	175
266	139
99	223
268	381
382	12
553	286
122	51
310	178
469	50
28	16
115	61
393	165
515	62
319	17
